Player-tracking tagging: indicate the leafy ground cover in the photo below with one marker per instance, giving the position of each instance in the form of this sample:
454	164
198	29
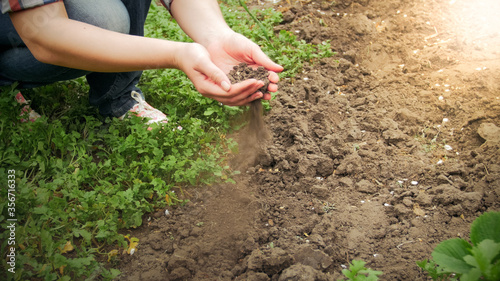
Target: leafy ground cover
79	179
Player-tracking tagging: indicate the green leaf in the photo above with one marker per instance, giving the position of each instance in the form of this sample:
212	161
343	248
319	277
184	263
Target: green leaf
209	111
486	226
484	255
473	275
357	265
450	255
82	233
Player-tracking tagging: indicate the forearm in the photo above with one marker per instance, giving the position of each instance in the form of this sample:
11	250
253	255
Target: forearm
64	42
202	20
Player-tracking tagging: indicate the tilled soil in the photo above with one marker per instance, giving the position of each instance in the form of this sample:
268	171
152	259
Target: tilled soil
378	153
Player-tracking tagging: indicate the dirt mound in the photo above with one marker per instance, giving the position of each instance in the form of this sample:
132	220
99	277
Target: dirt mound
377	154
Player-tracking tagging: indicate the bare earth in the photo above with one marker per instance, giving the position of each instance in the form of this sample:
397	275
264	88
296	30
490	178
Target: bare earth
378	153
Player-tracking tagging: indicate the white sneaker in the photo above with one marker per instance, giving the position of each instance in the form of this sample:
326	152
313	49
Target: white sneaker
144	110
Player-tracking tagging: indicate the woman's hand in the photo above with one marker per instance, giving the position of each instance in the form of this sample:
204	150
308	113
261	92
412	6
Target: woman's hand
231	48
211	81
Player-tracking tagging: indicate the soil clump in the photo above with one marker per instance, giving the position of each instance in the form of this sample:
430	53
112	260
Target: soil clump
256	127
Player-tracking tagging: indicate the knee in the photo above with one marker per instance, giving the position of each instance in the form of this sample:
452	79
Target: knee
110	15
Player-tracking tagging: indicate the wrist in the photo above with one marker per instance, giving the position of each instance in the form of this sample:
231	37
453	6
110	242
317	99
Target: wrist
215	36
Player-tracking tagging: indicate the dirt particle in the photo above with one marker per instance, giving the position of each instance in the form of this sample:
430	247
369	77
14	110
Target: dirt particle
242	72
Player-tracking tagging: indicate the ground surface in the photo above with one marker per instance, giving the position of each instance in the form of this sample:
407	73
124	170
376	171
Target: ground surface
378	157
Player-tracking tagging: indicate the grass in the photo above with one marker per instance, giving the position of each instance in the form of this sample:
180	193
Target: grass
76	179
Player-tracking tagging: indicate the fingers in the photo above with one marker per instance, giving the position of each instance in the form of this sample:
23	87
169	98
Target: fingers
273	77
262	59
240	94
215	74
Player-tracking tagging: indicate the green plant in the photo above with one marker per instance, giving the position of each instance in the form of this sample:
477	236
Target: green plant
456	258
261	26
80	178
358	272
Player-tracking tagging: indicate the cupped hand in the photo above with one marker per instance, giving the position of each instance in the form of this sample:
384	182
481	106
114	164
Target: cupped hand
211	81
231	48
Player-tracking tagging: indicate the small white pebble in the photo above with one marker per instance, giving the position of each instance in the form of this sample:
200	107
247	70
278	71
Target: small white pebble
387	204
167	212
447	147
375	255
445	120
414	182
132	251
440	162
343	266
362	201
441	98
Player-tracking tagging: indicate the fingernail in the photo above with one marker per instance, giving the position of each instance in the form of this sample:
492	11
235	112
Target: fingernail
225	86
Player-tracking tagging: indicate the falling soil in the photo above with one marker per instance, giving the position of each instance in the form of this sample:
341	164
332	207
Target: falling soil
377	154
257	131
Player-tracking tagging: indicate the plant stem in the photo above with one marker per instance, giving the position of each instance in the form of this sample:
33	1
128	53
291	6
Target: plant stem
261	26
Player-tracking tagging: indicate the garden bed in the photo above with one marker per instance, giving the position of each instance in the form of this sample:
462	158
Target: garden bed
377	154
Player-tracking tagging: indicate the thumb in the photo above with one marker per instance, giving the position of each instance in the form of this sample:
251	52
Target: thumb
216	75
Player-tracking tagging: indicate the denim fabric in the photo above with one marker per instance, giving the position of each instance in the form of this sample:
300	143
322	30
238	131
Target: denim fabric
110	92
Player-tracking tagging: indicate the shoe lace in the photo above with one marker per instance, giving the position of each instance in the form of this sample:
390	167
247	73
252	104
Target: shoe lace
138	98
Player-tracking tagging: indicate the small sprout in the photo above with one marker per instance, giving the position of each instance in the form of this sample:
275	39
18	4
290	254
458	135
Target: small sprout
200	224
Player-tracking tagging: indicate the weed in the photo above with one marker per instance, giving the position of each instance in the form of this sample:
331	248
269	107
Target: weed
358	272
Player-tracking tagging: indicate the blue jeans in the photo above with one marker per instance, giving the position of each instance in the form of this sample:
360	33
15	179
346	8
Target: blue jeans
110	92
